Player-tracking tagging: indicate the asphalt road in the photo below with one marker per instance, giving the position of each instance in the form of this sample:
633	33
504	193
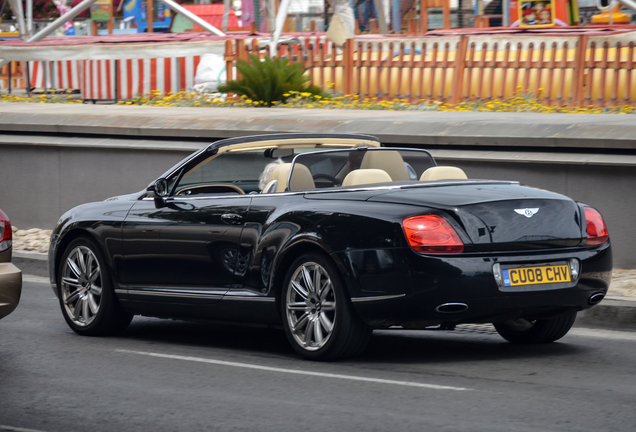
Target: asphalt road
163	375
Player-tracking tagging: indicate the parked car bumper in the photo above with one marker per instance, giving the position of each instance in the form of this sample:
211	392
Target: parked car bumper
10	288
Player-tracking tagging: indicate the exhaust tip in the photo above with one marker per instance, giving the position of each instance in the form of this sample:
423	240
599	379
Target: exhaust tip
595	298
452	308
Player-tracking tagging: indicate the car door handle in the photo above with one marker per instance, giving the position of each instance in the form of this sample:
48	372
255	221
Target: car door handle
231	218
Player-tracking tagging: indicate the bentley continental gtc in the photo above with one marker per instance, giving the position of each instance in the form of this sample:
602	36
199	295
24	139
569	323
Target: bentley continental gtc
329	237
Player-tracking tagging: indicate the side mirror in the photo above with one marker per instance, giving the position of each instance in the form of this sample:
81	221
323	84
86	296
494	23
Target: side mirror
161	188
158	190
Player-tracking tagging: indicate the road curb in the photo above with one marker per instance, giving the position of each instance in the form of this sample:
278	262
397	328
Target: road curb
31	263
611	314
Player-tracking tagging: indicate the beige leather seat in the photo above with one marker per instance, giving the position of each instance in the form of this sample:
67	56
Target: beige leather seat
443	173
389	161
366	176
301	178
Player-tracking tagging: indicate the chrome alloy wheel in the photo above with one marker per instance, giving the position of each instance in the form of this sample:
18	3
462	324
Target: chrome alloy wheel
81	286
310	306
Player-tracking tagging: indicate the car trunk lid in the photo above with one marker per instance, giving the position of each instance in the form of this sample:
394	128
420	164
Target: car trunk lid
499	216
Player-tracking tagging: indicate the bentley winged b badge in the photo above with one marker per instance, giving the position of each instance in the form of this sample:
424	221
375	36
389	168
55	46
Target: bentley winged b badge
527	212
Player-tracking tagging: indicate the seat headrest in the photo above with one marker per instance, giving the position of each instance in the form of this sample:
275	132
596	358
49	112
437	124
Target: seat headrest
280	174
389	161
366	176
443	173
301	177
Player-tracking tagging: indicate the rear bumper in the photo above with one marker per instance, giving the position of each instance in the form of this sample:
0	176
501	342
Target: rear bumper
414	290
10	288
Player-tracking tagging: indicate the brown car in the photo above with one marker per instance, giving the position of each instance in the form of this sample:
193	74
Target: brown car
10	275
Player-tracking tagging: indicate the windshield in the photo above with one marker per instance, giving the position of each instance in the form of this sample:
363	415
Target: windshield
230	172
239	171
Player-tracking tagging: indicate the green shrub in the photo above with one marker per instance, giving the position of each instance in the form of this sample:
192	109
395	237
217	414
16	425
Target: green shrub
269	80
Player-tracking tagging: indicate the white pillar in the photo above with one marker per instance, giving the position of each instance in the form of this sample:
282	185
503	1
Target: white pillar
55	24
226	14
280	22
631	4
29	17
16	7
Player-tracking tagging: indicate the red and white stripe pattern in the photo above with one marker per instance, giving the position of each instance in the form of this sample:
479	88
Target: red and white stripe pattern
60	75
136	77
16	76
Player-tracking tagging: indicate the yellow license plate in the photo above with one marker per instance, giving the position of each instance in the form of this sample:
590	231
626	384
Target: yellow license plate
536	275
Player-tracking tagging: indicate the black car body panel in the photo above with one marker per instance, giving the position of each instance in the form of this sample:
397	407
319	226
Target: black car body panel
224	257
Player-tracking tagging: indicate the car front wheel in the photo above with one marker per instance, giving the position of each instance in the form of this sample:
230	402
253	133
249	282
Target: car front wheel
318	318
524	331
86	297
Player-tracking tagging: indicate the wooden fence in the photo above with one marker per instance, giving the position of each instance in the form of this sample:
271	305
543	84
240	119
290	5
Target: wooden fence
573	70
577	70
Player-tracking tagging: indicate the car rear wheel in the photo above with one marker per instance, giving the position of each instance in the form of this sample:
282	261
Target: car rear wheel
86	297
318	318
525	331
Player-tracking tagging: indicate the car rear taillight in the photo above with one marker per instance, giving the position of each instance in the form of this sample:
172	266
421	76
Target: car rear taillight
5	232
432	234
596	229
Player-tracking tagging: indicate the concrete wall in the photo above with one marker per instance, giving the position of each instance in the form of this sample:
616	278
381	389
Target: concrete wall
40	183
610	189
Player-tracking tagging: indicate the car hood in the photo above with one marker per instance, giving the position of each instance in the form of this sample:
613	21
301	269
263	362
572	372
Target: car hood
498	215
128	197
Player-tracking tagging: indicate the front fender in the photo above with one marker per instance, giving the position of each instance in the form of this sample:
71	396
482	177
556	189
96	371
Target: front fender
101	221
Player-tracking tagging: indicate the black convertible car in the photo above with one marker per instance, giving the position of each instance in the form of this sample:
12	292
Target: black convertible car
331	236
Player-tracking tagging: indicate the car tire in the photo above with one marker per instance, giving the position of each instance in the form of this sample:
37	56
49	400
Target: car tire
320	323
523	331
86	294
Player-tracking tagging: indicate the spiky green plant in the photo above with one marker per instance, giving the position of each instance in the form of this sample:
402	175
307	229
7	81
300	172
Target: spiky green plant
269	80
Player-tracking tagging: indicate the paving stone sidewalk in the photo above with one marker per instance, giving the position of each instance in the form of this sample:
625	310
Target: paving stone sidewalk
623	286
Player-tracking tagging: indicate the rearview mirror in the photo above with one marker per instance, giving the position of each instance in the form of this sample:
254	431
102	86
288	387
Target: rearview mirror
279	153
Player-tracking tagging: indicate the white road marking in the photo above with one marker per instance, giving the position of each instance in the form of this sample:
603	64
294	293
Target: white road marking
34	279
16	429
603	334
294	371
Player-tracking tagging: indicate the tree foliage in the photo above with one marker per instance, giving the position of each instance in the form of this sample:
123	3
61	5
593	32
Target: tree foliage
269	80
